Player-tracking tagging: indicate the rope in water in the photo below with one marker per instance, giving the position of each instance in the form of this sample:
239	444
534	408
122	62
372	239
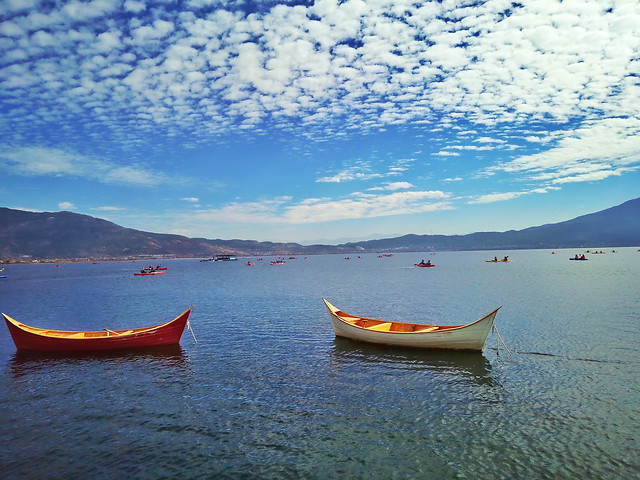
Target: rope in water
191	330
500	340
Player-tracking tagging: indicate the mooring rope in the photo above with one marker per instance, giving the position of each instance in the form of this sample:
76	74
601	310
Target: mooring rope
500	340
191	330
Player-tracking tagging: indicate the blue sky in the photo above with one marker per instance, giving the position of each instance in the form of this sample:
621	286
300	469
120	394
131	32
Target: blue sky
320	121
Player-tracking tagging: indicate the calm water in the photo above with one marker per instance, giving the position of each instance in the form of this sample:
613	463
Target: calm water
269	392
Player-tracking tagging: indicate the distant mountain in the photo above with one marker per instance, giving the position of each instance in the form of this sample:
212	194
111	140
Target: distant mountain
616	227
65	235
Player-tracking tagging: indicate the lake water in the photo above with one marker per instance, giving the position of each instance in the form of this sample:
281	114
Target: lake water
268	392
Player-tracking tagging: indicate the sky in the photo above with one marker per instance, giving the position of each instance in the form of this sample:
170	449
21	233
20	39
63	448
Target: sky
320	121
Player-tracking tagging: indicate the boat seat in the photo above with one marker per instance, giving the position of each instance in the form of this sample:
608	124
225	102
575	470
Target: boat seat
112	333
381	327
426	329
349	319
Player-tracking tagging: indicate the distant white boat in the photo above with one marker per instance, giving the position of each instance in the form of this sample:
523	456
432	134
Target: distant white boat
225	258
457	337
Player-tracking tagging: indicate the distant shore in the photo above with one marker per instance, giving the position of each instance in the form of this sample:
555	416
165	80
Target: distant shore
34	261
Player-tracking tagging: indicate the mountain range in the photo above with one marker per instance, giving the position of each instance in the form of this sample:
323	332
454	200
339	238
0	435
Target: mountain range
29	236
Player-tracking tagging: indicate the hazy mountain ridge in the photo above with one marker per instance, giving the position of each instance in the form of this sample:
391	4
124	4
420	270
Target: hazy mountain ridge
66	235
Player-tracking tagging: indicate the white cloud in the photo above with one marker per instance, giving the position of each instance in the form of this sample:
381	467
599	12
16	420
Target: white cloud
11	29
158	30
586	177
592	152
366	206
108	41
489	140
88	10
66	206
445	153
134	6
108	208
39	161
501	197
282	211
393	186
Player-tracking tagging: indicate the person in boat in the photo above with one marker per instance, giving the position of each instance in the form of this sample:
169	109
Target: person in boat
428	262
506	258
583	257
495	259
577	257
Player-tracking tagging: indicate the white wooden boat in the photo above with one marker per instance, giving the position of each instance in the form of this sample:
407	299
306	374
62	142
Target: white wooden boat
456	337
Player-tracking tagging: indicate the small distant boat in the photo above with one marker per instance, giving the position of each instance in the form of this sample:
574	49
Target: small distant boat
498	261
225	258
458	337
424	264
43	340
277	262
154	272
578	258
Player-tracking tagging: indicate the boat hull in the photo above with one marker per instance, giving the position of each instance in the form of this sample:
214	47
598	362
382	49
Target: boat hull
42	340
463	337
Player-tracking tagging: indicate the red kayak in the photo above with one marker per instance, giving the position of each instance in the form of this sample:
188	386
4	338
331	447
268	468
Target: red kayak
424	264
150	273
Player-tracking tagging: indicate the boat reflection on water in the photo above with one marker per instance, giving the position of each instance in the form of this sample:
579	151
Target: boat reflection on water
469	364
27	361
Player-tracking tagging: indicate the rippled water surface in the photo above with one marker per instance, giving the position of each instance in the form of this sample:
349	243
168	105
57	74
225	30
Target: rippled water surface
269	392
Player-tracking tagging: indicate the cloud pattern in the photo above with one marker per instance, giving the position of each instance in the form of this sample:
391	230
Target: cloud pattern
202	68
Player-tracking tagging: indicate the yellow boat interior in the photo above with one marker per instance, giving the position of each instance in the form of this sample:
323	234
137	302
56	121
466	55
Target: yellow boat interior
384	326
74	334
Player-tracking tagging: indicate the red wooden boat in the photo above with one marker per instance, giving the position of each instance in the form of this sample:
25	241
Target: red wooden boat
43	340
